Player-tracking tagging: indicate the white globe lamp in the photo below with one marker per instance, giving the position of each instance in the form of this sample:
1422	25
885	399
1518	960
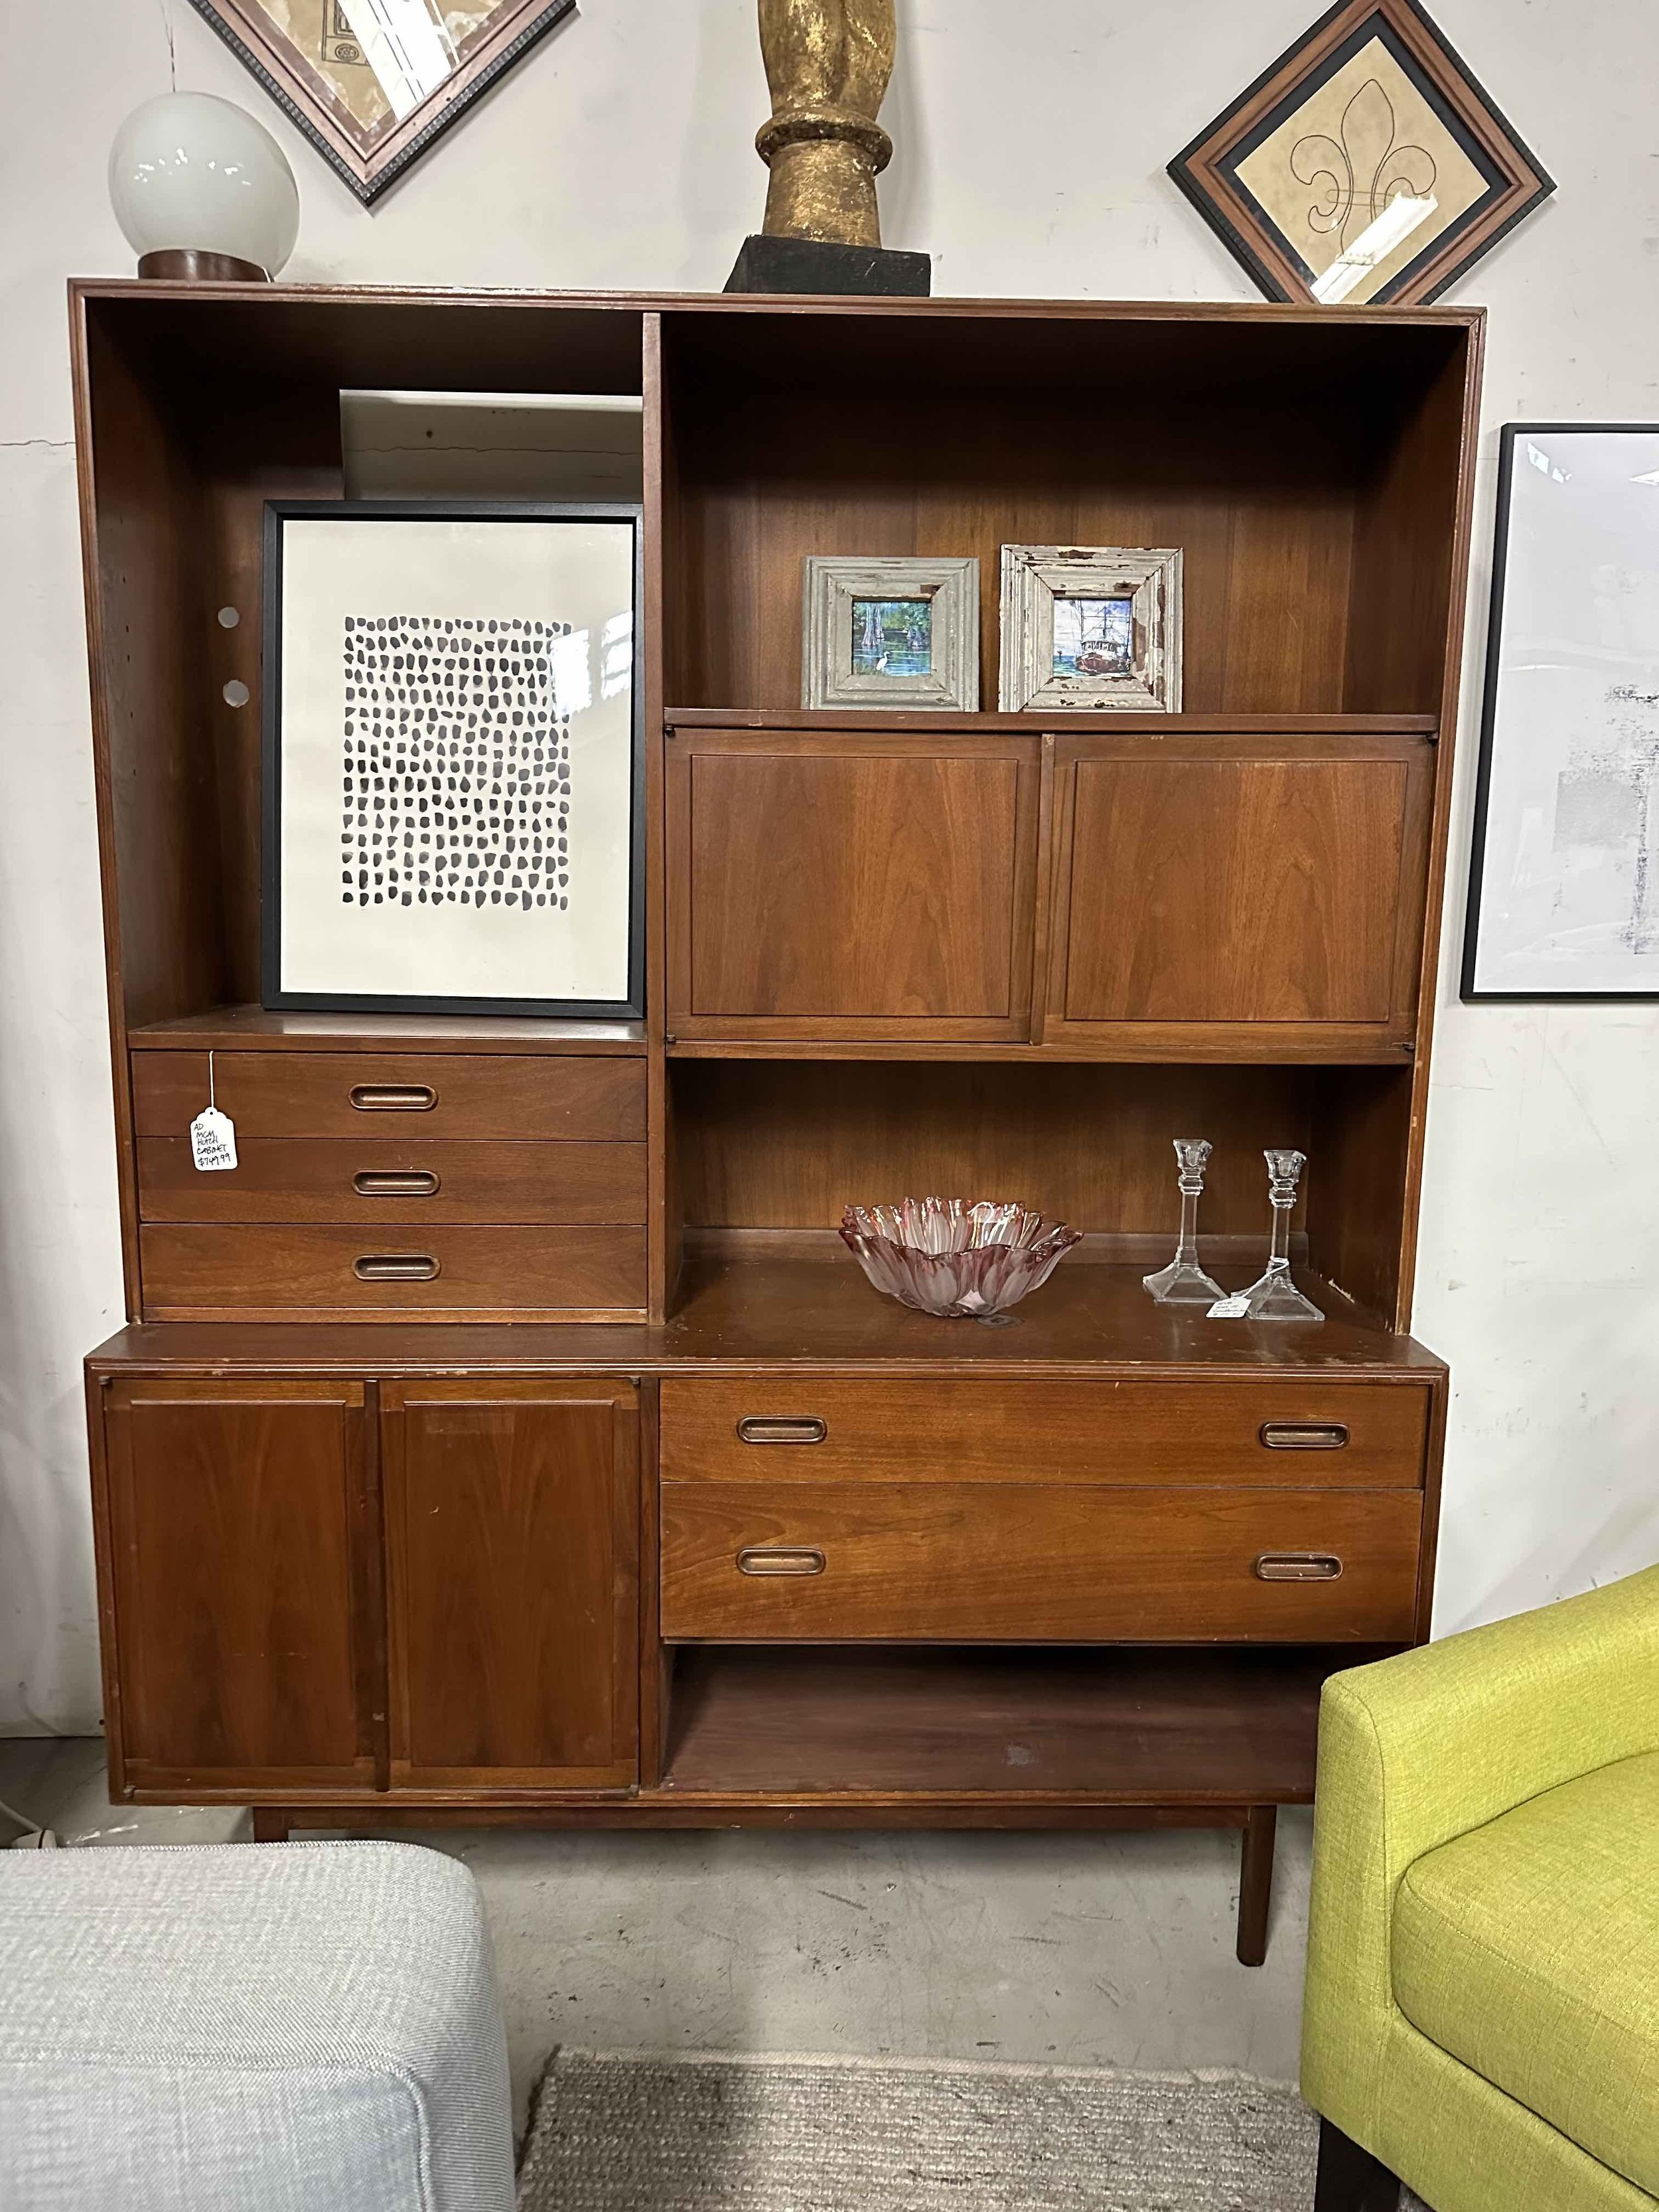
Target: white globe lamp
202	190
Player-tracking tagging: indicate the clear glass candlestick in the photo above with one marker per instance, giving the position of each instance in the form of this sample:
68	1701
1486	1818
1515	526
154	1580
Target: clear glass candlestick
1183	1282
1273	1296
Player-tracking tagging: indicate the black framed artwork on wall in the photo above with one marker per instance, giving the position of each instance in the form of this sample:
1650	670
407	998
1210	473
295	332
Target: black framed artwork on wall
1564	873
453	758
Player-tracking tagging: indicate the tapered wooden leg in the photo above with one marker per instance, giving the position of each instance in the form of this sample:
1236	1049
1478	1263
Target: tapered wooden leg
1255	1883
1350	2180
270	1825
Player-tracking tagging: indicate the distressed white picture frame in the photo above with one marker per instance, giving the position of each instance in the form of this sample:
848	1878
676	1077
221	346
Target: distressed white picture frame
1034	576
831	582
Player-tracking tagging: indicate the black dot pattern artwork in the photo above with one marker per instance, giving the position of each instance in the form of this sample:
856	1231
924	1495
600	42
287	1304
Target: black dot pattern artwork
455	777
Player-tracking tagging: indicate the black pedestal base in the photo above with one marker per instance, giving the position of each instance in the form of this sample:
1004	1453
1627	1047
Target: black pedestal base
809	264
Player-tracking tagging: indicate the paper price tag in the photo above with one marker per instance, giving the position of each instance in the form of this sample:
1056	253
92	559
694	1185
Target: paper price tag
1232	1308
213	1139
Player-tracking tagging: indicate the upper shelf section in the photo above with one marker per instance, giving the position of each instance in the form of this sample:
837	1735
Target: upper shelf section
1308	470
1309	463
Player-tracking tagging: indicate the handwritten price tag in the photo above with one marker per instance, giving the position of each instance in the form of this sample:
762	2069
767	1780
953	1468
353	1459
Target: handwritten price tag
213	1139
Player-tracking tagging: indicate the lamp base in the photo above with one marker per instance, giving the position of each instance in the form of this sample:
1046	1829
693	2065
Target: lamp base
187	264
814	264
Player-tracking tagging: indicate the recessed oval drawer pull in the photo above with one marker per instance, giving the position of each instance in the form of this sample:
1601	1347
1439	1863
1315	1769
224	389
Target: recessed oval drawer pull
778	1429
394	1097
1304	1436
395	1267
1298	1567
395	1182
781	1559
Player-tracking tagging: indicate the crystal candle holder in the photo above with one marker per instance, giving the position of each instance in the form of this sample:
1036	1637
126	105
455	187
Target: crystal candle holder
946	1256
1183	1282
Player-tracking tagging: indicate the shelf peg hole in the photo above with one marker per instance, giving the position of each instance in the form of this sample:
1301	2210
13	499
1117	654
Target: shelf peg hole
236	692
228	617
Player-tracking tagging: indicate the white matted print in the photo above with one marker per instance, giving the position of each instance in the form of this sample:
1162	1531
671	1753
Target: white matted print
452	758
1563	887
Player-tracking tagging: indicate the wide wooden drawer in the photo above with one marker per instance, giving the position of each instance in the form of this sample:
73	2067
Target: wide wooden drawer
395	1176
1277	1434
431	1095
981	1563
201	1273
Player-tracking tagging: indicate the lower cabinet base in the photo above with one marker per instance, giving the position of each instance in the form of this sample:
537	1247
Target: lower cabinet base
274	1824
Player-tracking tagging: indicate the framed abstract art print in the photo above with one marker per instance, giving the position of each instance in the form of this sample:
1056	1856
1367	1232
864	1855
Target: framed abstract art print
453	758
1564	877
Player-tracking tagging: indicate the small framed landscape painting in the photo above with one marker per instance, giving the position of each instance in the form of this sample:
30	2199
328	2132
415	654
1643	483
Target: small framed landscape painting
453	758
1564	877
1091	627
890	632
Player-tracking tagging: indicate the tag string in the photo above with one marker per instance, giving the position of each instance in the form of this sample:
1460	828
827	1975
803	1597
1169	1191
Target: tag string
211	1101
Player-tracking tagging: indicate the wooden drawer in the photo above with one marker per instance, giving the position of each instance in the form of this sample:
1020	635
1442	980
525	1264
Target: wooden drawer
202	1274
392	1176
432	1096
981	1563
1276	1434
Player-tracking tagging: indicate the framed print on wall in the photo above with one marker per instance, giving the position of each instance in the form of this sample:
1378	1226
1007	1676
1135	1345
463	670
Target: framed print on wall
372	84
1563	876
1091	627
1367	165
453	758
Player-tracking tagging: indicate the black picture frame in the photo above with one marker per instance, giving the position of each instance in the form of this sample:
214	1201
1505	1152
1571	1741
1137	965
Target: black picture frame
1469	992
273	995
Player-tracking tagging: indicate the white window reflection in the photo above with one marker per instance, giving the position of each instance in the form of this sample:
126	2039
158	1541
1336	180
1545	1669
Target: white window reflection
617	656
573	684
407	44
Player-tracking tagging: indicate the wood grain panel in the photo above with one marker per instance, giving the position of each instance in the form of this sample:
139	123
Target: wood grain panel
238	1532
204	1271
485	1094
1129	1725
1020	1562
1279	886
513	1534
856	885
1134	1433
343	1179
787	1145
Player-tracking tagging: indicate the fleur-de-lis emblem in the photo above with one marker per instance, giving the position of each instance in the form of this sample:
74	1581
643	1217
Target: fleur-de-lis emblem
1356	178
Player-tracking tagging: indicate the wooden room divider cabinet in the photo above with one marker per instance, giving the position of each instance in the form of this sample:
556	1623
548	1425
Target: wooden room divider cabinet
509	1437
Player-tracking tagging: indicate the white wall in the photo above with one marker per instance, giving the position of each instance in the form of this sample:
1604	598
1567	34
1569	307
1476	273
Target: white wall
1032	140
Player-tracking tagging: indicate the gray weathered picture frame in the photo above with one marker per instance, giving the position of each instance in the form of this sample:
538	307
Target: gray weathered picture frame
1036	577
834	584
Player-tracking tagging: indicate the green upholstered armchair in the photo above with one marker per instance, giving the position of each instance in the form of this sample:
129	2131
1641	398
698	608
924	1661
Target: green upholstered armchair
1482	2012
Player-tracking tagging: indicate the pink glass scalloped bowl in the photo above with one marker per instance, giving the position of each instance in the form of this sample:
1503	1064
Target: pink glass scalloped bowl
947	1256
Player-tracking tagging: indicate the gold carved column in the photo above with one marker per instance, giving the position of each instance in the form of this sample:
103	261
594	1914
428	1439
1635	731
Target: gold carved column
828	64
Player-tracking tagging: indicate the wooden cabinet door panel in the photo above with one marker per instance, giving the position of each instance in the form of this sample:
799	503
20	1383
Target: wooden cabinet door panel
851	886
240	1586
511	1516
1215	888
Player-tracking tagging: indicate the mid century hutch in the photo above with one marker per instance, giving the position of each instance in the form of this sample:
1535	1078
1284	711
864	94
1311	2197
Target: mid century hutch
474	1541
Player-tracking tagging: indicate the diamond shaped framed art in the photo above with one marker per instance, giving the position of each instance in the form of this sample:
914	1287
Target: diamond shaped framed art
1366	167
373	84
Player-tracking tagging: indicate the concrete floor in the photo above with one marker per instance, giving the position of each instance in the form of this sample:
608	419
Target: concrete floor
1084	1950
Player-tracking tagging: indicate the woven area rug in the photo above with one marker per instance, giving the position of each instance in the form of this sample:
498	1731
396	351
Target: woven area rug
629	2133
